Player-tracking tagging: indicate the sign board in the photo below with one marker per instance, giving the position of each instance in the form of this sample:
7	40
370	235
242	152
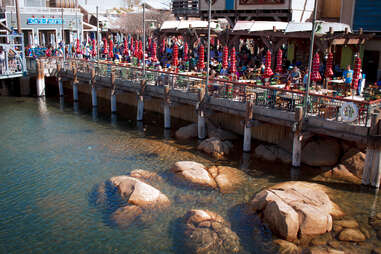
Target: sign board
349	112
44	21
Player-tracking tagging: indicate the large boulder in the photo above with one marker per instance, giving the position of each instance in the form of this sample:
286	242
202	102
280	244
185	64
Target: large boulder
296	209
340	172
354	161
215	147
225	179
321	152
273	153
221	134
187	132
145	175
207	232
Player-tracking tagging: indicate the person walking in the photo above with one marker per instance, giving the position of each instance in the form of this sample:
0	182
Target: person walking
348	78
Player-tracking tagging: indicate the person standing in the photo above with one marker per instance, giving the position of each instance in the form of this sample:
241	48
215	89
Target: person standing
348	78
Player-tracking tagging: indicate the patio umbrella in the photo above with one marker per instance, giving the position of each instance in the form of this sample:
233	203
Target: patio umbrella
279	56
201	58
186	52
125	50
233	67
153	53
315	68
175	60
93	50
111	49
356	74
225	58
328	69
268	72
105	47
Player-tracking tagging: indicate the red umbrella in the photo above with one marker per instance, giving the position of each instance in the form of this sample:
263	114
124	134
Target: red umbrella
315	68
201	58
328	69
225	58
140	53
94	51
163	46
149	43
105	47
125	51
186	51
356	74
175	60
153	53
136	49
132	44
279	57
111	49
78	47
233	67
268	72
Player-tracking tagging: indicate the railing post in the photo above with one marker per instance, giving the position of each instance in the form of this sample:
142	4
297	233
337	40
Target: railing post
247	128
167	111
372	168
297	139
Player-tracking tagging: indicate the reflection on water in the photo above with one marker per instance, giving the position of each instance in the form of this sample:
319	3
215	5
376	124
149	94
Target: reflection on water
51	159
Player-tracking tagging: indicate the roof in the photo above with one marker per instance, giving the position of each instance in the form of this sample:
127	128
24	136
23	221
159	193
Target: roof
186	24
322	27
253	26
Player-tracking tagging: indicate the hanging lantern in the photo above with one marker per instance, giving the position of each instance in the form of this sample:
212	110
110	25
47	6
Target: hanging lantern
268	72
329	65
153	53
201	58
315	68
356	74
105	47
279	57
225	58
233	68
175	56
111	49
186	51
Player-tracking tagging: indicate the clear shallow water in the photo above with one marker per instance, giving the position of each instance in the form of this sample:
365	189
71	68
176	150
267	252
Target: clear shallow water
51	158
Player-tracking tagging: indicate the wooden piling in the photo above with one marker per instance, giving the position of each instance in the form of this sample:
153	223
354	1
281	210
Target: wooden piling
40	78
140	112
75	82
372	168
297	140
167	111
247	128
113	92
201	123
93	89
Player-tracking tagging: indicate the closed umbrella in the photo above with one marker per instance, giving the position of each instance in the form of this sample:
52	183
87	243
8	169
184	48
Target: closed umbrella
132	44
356	74
78	47
163	46
111	49
328	69
225	58
153	53
175	57
125	50
233	67
186	51
149	44
279	57
268	72
105	47
140	53
315	68
93	50
136	49
201	58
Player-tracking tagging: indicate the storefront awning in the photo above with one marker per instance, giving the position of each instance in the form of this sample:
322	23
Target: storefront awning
88	27
322	27
186	24
255	26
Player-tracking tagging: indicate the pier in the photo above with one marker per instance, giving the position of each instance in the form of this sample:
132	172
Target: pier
246	105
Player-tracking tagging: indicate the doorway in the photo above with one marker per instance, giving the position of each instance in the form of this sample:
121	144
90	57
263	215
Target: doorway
370	66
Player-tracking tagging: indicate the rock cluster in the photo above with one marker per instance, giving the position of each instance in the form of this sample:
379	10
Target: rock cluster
225	179
376	224
215	147
207	232
296	209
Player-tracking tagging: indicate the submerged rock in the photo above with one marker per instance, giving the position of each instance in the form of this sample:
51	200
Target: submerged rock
225	179
352	235
187	132
146	175
207	232
286	247
296	209
215	147
273	153
321	152
354	161
340	172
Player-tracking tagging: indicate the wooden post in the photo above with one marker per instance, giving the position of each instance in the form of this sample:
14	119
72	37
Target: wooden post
75	82
297	140
167	111
113	92
140	112
247	129
93	89
372	168
201	127
40	78
60	87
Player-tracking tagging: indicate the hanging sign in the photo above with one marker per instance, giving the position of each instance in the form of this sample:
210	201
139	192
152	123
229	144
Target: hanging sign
349	112
44	21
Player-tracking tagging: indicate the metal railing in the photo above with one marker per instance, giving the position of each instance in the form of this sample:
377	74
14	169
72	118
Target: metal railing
12	57
328	107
